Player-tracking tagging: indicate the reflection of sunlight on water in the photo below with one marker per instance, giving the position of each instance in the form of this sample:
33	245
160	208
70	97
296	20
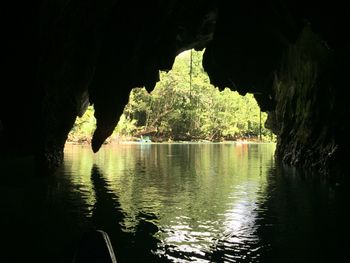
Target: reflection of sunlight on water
204	200
230	234
240	240
181	238
240	220
236	230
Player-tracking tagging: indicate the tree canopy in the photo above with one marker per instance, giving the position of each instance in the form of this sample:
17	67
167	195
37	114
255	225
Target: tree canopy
185	106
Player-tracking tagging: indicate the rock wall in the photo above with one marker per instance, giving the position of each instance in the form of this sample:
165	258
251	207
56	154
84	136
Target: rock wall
311	112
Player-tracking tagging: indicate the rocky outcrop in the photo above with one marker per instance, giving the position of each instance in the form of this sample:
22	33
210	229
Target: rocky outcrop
67	54
311	112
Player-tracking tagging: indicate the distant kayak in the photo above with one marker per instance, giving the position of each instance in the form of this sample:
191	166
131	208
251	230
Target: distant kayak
144	139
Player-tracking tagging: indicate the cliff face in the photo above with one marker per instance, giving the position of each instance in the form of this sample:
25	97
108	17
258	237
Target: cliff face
63	55
311	112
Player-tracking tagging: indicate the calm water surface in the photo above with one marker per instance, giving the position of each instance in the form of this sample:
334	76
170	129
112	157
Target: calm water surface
173	203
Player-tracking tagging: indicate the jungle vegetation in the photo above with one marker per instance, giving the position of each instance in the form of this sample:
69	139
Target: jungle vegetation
183	106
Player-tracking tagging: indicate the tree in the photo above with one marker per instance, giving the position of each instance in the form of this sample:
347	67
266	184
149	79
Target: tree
185	106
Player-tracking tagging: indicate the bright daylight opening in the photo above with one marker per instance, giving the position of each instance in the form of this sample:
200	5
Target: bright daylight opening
183	106
181	201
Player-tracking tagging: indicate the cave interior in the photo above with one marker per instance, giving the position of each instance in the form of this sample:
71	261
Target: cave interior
61	56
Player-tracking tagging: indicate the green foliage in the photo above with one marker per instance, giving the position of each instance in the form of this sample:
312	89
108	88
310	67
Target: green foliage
126	126
186	106
83	127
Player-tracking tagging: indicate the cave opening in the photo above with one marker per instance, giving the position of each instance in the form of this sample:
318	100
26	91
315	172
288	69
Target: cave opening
292	55
183	106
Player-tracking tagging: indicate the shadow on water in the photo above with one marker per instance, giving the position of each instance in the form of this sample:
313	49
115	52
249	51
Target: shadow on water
44	219
107	215
303	219
35	226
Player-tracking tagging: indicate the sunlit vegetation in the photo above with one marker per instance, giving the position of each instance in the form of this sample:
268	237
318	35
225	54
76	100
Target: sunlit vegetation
83	127
184	106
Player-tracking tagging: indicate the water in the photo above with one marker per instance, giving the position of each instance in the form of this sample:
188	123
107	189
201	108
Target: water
173	203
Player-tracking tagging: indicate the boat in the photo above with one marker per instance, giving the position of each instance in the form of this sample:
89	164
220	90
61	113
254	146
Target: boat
94	247
144	139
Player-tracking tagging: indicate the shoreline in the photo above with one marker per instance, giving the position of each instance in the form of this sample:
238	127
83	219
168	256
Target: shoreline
175	142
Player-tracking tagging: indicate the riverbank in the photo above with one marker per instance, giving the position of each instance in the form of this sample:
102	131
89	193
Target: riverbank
155	140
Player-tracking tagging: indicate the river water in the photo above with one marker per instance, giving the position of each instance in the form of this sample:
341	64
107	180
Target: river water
173	203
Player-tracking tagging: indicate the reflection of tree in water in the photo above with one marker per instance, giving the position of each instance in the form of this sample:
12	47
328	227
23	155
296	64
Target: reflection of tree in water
107	216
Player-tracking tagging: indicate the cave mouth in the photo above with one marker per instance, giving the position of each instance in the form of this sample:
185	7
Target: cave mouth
292	55
183	106
64	56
